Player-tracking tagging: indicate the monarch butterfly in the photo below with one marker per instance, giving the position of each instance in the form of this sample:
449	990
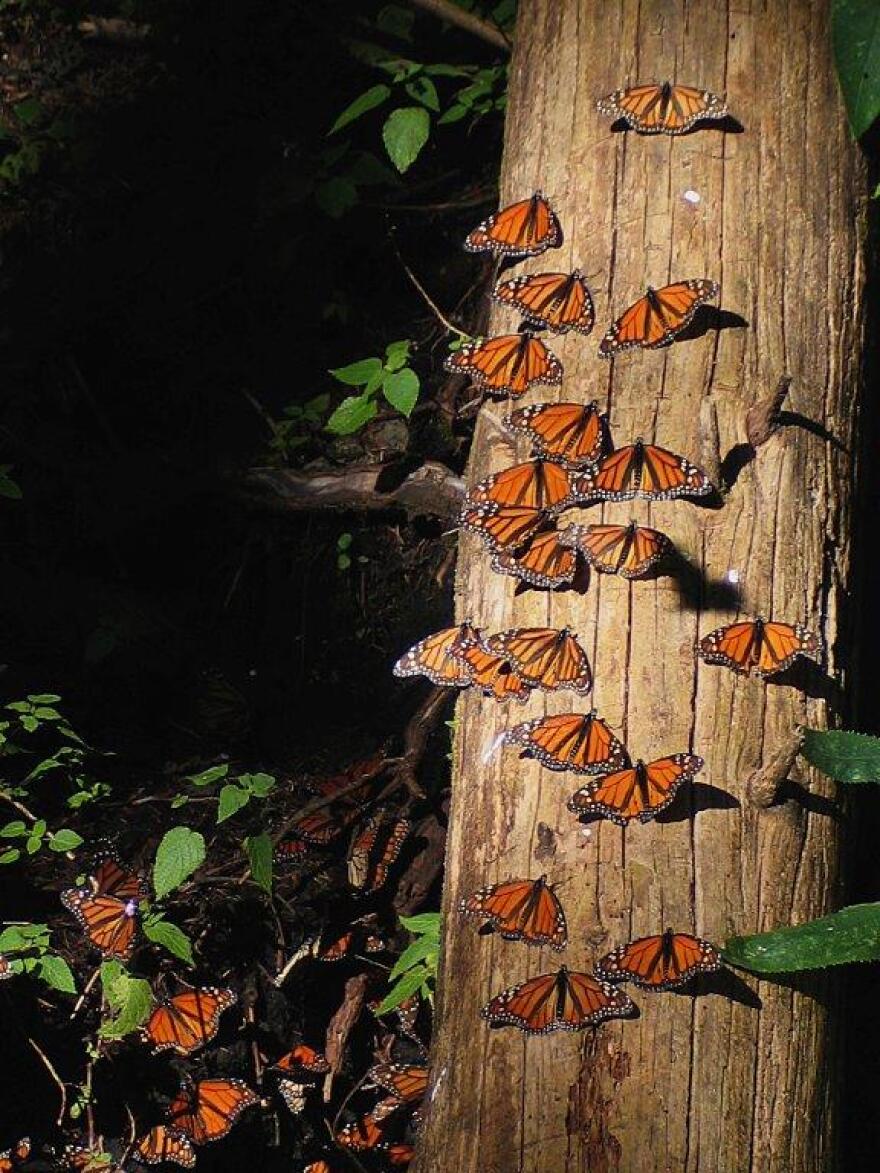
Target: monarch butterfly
759	645
205	1111
189	1020
662	109
435	657
290	851
545	657
493	673
11	1158
337	949
108	908
523	229
655	319
362	770
362	1135
580	742
322	826
659	963
294	1094
503	527
375	847
544	562
162	1144
571	433
641	470
628	550
537	484
83	1159
302	1057
520	910
557	1001
638	792
558	301
406	1082
508	364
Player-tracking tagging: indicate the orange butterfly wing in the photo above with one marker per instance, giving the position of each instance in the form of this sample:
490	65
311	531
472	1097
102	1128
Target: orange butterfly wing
303	1057
508	364
107	909
628	550
662	109
189	1020
557	1001
643	470
571	433
374	849
435	657
662	962
206	1111
639	792
407	1082
759	646
521	910
545	657
655	319
558	301
165	1144
537	484
580	742
543	563
361	1136
524	229
11	1158
494	674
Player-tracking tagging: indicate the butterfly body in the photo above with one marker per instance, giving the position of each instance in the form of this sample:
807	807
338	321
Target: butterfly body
567	1000
662	962
520	910
638	792
573	434
507	364
548	658
641	470
580	742
666	108
630	551
189	1020
656	318
761	646
523	229
544	562
107	909
556	301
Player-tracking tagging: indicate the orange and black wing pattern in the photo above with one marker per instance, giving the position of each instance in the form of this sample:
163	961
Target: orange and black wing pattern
543	562
507	365
162	1144
566	1000
555	301
189	1020
107	909
655	319
638	792
502	527
662	109
571	433
205	1111
580	742
520	910
759	645
628	550
435	657
524	229
361	1136
494	674
663	962
641	470
374	848
544	657
301	1058
11	1159
537	484
407	1082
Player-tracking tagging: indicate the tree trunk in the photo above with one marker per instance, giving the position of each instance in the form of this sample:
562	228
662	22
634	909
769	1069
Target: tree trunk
716	1082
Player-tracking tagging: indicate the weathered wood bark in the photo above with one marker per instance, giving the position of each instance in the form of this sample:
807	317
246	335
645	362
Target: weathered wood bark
714	1083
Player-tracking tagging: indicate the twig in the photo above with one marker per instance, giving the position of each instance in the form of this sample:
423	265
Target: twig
431	304
452	14
415	739
762	785
86	990
56	1079
341	1026
19	806
762	420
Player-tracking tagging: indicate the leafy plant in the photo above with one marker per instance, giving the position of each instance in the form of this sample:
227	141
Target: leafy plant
129	999
844	756
416	967
28	945
855	32
300	423
391	375
852	934
235	794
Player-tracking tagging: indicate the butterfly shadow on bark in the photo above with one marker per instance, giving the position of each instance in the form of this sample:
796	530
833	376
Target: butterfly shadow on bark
724	983
708	318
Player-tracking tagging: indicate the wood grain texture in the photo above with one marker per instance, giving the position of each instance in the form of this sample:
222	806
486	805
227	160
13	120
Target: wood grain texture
717	1083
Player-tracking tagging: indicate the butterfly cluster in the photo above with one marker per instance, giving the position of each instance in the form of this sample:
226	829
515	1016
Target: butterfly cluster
515	512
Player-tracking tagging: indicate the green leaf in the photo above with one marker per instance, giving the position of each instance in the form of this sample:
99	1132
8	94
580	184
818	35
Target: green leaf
232	799
405	133
30	723
213	774
14	829
10	855
178	801
846	757
172	938
367	101
425	922
455	113
401	990
853	934
129	998
396	354
64	840
259	852
855	33
56	973
43	698
423	90
15	938
258	784
39	828
401	389
422	949
33	844
180	853
357	373
351	415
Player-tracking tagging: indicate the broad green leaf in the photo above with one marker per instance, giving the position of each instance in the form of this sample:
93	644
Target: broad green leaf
56	973
422	949
259	852
425	922
15	938
33	844
367	101
401	389
129	998
423	90
258	784
855	33
846	757
14	829
20	706
396	354
455	113
39	828
357	373
172	938
405	133
10	855
401	990
213	774
449	70
232	799
178	801
64	840
30	723
180	853
351	415
853	934
44	698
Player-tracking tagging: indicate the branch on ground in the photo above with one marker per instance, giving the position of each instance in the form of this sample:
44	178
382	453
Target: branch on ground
452	14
